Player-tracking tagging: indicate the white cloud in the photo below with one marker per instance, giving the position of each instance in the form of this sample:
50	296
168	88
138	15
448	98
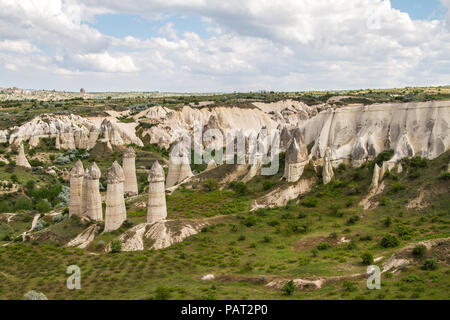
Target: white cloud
19	46
253	44
104	62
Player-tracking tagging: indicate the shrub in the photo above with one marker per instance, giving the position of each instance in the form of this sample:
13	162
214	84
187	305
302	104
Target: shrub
267	239
384	201
396	187
389	241
57	218
5	206
163	293
384	156
210	185
310	202
349	286
43	206
352	220
387	222
23	203
249	221
268	184
323	246
419	250
429	264
367	258
116	246
289	288
239	187
127	223
445	176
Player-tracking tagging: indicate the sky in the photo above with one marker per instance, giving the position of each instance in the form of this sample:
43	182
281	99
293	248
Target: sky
223	46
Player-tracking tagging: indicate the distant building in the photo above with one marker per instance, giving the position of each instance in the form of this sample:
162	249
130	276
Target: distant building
82	91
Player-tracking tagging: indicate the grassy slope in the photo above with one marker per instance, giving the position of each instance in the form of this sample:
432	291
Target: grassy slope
274	243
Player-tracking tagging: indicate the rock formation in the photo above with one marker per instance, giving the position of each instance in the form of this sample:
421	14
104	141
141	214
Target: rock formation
3	136
296	160
93	198
21	160
179	168
76	189
211	165
327	173
115	213
410	129
156	206
285	138
72	131
84	192
130	186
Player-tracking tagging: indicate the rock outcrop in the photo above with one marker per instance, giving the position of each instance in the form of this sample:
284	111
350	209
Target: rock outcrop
115	213
3	136
359	132
72	131
93	198
327	173
76	189
156	206
21	160
296	159
179	167
130	186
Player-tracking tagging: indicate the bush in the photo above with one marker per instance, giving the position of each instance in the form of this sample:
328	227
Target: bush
388	222
43	206
349	286
389	241
57	218
116	246
211	185
445	176
310	202
396	187
239	187
128	224
367	259
419	250
289	288
429	264
384	156
5	206
249	221
352	220
268	184
23	203
163	293
323	246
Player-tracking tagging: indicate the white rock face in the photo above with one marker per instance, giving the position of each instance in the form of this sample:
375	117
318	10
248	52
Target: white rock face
3	136
71	131
327	173
76	189
359	133
21	160
115	213
179	167
171	124
129	168
296	158
156	206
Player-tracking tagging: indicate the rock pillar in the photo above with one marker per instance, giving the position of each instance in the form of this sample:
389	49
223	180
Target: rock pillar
327	173
76	189
93	199
21	160
156	207
130	186
115	213
296	160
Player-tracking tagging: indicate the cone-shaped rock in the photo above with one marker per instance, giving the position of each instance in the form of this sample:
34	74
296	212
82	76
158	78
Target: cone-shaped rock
84	192
296	159
179	168
115	213
327	173
130	186
93	200
211	165
156	206
21	160
76	189
285	137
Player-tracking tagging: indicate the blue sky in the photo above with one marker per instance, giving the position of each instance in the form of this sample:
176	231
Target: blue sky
216	45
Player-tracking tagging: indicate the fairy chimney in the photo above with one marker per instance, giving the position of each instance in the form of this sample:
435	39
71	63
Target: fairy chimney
296	160
76	189
156	207
21	160
115	213
130	186
93	198
327	173
179	168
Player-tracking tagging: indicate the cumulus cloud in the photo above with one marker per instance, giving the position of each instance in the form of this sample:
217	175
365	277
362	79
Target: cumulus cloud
248	45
